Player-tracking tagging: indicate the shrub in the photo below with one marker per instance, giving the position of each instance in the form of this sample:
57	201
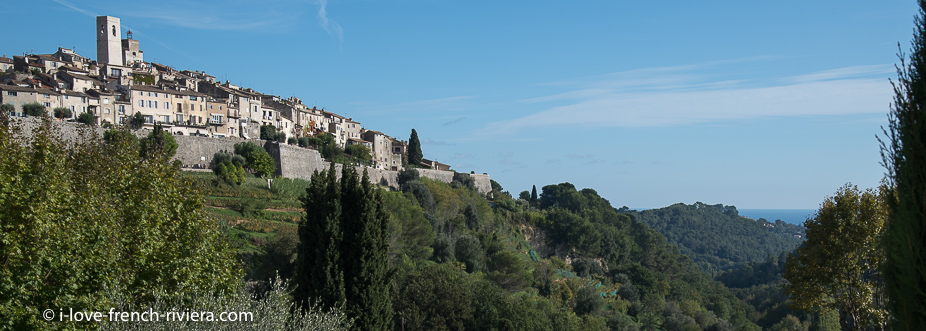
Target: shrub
62	112
86	118
33	109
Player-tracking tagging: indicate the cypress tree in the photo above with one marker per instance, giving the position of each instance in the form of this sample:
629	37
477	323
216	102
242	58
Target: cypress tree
318	266
367	275
533	195
342	258
904	156
414	149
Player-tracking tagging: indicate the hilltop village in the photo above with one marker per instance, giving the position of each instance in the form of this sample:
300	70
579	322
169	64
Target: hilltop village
120	85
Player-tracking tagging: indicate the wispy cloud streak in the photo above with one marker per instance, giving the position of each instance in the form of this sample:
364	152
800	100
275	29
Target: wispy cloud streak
78	9
673	96
331	27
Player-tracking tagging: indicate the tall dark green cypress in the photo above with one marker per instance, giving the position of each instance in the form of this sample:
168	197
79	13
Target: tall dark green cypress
414	150
367	275
534	195
343	250
904	156
318	267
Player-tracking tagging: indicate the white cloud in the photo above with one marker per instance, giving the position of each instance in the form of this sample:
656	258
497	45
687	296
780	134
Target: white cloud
671	96
331	27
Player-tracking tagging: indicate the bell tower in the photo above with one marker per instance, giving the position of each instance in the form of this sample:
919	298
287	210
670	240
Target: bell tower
108	41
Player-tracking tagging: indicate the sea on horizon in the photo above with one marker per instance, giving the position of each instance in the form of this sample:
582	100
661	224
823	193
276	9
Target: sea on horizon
793	216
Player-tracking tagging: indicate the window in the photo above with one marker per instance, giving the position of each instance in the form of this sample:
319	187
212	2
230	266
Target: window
179	117
216	119
114	30
121	119
200	120
155	104
141	103
105	101
65	97
192	98
220	107
11	93
210	107
72	109
155	94
149	104
121	109
141	93
167	105
105	110
45	95
47	105
115	72
166	118
149	119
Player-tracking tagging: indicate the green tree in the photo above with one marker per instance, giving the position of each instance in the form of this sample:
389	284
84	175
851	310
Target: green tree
268	132
157	143
7	108
62	112
86	118
136	121
229	167
352	261
257	158
84	216
414	150
33	109
904	156
837	267
359	152
533	200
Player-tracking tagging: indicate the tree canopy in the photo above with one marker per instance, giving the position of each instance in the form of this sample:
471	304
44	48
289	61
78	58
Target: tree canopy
904	156
78	220
837	267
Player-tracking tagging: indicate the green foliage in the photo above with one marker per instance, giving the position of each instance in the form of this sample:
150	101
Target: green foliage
463	180
292	141
271	311
837	267
343	256
35	71
62	112
256	157
904	156
717	238
86	118
119	136
407	175
331	151
468	250
158	144
359	152
435	298
410	232
229	167
269	132
34	109
136	121
414	150
79	220
7	108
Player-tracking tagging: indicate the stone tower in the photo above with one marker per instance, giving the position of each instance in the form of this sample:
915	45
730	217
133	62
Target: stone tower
108	41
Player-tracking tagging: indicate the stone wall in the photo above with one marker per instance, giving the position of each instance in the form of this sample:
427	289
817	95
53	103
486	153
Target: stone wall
292	161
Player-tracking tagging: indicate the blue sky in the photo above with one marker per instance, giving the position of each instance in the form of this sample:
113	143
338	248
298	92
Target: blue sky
772	104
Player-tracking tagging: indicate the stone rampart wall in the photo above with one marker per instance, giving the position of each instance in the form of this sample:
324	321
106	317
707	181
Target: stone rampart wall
292	161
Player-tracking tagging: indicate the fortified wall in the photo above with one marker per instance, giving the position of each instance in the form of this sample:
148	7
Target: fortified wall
292	161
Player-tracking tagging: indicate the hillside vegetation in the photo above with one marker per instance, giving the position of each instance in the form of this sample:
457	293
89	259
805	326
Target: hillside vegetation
717	238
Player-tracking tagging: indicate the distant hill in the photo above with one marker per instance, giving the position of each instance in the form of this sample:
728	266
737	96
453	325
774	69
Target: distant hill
716	237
